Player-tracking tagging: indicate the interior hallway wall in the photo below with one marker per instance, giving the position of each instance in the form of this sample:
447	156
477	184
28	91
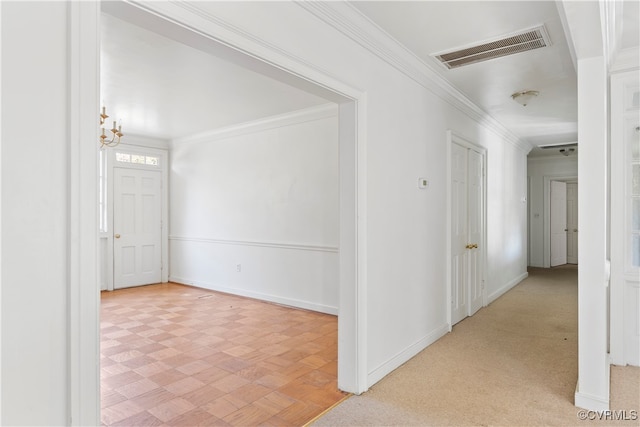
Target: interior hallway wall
254	210
35	214
405	139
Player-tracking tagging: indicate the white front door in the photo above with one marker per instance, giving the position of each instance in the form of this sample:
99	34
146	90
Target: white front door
572	223
558	223
467	222
137	226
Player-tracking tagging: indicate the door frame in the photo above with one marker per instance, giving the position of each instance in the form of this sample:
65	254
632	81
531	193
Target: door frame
111	164
623	283
570	182
455	138
84	296
546	212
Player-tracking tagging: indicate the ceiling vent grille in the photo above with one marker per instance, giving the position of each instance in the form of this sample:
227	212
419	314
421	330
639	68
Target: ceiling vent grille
515	43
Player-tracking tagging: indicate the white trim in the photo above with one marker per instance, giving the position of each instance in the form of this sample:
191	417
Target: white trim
281	120
626	60
360	233
269	58
620	271
257	51
143	141
291	302
454	138
567	33
611	23
590	402
506	287
1	382
264	244
347	19
402	357
84	294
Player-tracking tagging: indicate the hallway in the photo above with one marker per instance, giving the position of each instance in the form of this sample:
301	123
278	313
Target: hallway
513	363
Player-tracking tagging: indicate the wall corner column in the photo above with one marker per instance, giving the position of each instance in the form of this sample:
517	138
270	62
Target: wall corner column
592	391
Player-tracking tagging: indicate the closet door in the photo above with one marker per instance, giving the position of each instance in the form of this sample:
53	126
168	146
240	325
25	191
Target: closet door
467	221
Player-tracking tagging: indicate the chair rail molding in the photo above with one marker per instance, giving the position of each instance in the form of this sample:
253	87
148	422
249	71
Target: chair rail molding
265	244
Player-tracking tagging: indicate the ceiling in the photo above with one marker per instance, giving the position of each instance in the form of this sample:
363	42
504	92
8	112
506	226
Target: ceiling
161	88
164	88
429	27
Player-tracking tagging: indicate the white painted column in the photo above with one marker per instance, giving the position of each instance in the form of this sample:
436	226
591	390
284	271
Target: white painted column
592	391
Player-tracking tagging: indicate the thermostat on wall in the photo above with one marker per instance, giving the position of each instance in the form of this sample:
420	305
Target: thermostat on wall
423	183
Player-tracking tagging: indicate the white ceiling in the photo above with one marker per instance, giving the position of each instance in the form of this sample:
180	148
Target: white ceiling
164	88
429	27
158	87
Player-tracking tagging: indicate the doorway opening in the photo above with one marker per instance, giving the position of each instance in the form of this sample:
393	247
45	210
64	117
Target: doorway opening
561	220
350	325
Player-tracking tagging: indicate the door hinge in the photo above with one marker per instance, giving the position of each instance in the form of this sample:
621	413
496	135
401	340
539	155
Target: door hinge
482	285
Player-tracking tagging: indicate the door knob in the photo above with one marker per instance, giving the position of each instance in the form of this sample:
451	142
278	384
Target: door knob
469	246
565	229
117	236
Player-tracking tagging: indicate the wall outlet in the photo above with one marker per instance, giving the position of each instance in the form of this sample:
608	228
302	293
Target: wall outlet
238	268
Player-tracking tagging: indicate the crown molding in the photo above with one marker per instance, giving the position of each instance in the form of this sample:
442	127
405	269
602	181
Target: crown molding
195	18
348	20
345	18
144	141
626	60
287	119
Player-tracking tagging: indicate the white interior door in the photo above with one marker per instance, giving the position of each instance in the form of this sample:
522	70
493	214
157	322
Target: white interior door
558	223
475	220
137	223
459	234
467	222
572	223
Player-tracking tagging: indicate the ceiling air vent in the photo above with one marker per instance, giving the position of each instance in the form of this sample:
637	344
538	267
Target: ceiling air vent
507	45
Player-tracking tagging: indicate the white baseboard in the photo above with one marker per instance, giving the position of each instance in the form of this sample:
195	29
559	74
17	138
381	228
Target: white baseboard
396	361
590	402
257	295
497	294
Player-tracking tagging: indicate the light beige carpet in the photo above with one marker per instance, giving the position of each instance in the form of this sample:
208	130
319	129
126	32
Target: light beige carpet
514	363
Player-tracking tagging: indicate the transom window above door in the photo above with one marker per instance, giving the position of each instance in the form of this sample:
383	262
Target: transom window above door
138	159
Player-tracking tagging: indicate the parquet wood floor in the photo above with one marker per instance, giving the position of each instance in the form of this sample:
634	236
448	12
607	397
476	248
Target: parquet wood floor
183	356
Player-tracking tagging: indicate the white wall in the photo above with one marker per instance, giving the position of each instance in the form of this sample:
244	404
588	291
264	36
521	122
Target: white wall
35	214
264	196
403	137
506	219
406	126
537	169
